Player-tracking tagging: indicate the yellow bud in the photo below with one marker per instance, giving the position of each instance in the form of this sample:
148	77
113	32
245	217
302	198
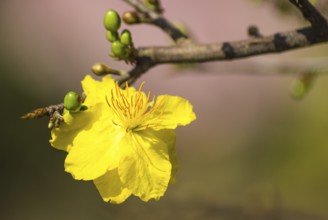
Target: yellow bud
131	17
100	69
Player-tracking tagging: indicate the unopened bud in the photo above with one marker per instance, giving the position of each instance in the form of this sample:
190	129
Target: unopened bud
111	36
100	69
126	38
153	2
72	101
112	21
119	50
131	17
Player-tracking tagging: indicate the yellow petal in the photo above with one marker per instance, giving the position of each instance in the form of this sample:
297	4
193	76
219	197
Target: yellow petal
62	137
96	91
110	187
145	168
171	111
168	136
95	150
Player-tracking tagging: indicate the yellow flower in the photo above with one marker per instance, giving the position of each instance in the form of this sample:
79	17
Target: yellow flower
124	141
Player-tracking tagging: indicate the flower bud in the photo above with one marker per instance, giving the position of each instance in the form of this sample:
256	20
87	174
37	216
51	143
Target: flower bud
119	50
72	101
131	17
152	2
100	69
112	21
153	5
112	36
126	38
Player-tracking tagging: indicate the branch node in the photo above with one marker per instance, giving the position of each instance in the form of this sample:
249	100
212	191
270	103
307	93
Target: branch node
253	31
228	50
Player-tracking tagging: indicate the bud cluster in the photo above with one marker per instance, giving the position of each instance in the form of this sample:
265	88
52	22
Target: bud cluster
122	44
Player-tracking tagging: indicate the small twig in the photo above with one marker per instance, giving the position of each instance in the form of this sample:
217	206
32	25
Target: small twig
143	64
158	20
310	13
46	111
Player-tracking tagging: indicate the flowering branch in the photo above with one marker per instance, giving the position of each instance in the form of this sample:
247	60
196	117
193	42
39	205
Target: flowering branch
188	51
134	153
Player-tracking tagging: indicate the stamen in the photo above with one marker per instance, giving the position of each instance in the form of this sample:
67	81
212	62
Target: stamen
117	89
131	109
148	96
141	85
138	96
127	88
125	101
107	101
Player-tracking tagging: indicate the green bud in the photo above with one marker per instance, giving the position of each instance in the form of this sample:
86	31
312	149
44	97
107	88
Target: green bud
131	17
153	5
152	2
112	21
126	38
112	36
119	50
72	101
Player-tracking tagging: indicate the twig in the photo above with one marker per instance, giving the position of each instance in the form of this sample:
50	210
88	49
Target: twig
158	20
46	111
310	13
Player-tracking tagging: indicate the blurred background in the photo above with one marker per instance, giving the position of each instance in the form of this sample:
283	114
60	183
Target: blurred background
254	152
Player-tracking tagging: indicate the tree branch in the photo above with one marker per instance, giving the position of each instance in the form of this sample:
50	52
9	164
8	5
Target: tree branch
311	14
192	52
258	44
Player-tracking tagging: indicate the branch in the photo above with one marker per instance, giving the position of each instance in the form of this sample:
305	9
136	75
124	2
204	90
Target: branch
279	42
54	112
311	14
257	44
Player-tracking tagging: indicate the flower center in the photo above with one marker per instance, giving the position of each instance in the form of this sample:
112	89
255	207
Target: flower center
131	108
